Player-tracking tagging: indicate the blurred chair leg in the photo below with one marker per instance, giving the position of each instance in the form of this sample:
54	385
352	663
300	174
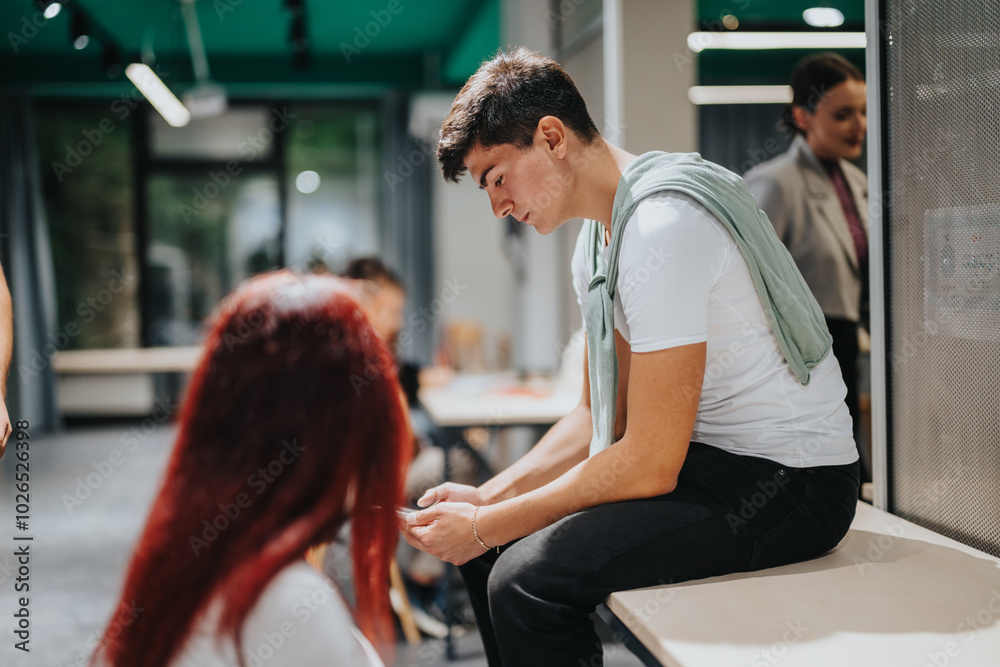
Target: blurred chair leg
401	604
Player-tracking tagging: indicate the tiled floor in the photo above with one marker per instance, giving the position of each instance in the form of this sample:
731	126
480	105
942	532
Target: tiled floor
87	507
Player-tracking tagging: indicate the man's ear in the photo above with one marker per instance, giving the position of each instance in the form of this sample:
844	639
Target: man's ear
802	117
553	132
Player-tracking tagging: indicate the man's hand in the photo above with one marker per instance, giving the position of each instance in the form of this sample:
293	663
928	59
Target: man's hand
451	492
5	429
445	531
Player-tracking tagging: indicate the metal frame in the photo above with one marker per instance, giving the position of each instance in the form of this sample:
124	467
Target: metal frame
614	77
878	209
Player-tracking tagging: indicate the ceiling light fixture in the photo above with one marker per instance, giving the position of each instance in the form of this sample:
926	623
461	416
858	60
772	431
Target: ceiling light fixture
823	17
307	182
740	94
206	98
111	59
48	8
164	101
700	41
79	31
297	34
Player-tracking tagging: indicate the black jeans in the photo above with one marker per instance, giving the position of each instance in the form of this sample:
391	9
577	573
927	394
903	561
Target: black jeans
729	513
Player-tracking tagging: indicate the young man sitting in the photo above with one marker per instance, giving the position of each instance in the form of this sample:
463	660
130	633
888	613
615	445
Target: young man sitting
712	435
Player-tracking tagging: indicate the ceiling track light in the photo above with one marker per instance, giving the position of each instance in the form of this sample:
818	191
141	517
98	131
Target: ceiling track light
298	37
49	8
111	60
79	30
297	34
206	98
84	30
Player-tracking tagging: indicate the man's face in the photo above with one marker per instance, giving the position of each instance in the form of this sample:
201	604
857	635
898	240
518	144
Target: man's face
531	184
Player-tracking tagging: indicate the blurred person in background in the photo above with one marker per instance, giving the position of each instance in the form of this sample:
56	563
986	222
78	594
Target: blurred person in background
818	202
6	349
383	297
384	302
275	451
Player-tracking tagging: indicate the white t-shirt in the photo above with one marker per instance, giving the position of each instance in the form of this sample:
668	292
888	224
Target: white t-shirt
300	619
682	280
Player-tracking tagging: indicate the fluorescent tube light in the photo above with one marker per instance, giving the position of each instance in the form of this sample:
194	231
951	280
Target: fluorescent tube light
164	101
699	41
740	94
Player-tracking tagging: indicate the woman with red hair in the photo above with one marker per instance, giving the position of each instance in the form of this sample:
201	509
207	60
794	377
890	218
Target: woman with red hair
292	423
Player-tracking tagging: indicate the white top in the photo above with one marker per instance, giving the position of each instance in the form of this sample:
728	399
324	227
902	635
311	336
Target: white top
300	619
682	280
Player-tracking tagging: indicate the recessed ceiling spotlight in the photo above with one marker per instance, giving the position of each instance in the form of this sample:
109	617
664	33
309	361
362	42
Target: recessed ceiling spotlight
823	17
49	9
79	31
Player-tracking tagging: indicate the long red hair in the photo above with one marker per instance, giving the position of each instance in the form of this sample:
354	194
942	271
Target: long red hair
293	417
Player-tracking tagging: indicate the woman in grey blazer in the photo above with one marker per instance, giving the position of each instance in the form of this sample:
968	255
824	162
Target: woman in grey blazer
818	201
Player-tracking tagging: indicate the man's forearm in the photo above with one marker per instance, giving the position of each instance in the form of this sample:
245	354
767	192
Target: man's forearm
563	446
625	471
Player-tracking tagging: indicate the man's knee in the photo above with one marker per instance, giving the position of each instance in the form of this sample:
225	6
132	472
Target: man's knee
518	576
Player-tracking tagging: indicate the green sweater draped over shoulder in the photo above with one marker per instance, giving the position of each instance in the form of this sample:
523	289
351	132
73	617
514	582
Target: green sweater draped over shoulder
791	310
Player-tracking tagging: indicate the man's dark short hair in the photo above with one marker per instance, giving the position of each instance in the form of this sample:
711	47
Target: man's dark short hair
502	103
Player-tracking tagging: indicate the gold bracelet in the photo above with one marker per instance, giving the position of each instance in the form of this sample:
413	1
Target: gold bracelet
476	532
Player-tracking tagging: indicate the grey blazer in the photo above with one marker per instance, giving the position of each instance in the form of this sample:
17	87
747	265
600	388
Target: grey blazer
798	197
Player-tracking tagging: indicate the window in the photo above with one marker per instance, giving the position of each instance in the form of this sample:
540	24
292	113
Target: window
260	187
188	213
332	183
87	180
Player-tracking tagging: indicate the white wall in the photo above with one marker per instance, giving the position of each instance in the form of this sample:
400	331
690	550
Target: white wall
586	68
658	70
468	245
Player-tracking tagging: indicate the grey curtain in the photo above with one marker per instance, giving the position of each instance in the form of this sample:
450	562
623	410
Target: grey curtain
405	212
27	264
741	136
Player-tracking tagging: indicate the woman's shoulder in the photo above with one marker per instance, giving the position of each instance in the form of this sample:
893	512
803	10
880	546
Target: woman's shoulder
780	167
301	609
296	594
